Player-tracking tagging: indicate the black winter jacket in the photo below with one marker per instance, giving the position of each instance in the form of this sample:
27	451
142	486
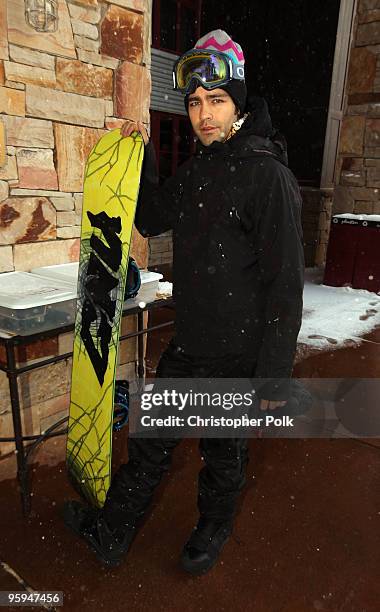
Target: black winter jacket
238	262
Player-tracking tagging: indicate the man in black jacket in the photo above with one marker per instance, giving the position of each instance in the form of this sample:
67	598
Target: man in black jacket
234	209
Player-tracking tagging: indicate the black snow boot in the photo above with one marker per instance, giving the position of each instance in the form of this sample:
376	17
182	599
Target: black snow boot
110	546
202	550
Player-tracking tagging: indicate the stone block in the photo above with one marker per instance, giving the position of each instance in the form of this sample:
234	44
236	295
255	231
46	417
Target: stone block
87	14
364	98
6	259
14	85
166	258
60	42
32	58
357	109
128	371
2	73
85	79
3	152
135	5
85	2
78	202
368	34
38	349
36	169
8	172
3	30
132	92
156	259
353	172
85	29
372	152
86	43
343	201
39	192
372	133
128	347
128	325
49	253
158	245
122	34
139	249
65	343
12	102
362	71
127	351
364	193
69	232
373	177
5	403
73	145
68	218
4	190
63	204
49	421
147	34
64	107
97	59
368	5
26	132
7	431
43	384
369	16
373	110
51	411
109	108
363	208
26	220
352	135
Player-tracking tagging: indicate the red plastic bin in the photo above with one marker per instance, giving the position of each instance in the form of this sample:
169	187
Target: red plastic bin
353	252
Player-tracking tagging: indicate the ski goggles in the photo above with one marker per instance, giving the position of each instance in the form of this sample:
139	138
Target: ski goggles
211	68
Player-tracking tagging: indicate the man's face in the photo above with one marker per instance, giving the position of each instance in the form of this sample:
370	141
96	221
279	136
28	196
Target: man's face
212	114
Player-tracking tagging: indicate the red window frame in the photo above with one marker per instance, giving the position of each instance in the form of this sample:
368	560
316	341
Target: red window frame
156	117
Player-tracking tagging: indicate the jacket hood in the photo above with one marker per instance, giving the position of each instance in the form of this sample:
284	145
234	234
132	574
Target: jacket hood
256	137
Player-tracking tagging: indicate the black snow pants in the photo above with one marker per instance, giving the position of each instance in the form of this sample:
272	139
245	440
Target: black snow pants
223	475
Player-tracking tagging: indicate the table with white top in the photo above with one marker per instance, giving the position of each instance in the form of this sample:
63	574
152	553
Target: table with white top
10	343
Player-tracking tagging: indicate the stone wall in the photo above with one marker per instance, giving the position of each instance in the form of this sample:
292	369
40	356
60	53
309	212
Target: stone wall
161	249
59	92
357	181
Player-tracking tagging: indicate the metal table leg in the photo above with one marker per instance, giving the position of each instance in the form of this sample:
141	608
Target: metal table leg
140	351
22	466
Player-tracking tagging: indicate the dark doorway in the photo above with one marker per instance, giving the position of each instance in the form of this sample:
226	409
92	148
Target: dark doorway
289	52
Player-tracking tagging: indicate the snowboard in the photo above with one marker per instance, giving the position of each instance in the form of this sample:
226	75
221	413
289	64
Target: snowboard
110	192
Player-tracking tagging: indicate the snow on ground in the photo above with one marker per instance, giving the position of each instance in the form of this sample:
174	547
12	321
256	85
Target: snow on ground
332	316
336	316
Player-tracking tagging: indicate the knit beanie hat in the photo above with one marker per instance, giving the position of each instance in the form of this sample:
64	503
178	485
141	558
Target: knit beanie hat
219	40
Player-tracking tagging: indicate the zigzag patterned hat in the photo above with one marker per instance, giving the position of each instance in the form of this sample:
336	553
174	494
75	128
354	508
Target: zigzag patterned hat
218	40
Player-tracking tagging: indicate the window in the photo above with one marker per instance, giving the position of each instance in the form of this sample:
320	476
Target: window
173	142
176	24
